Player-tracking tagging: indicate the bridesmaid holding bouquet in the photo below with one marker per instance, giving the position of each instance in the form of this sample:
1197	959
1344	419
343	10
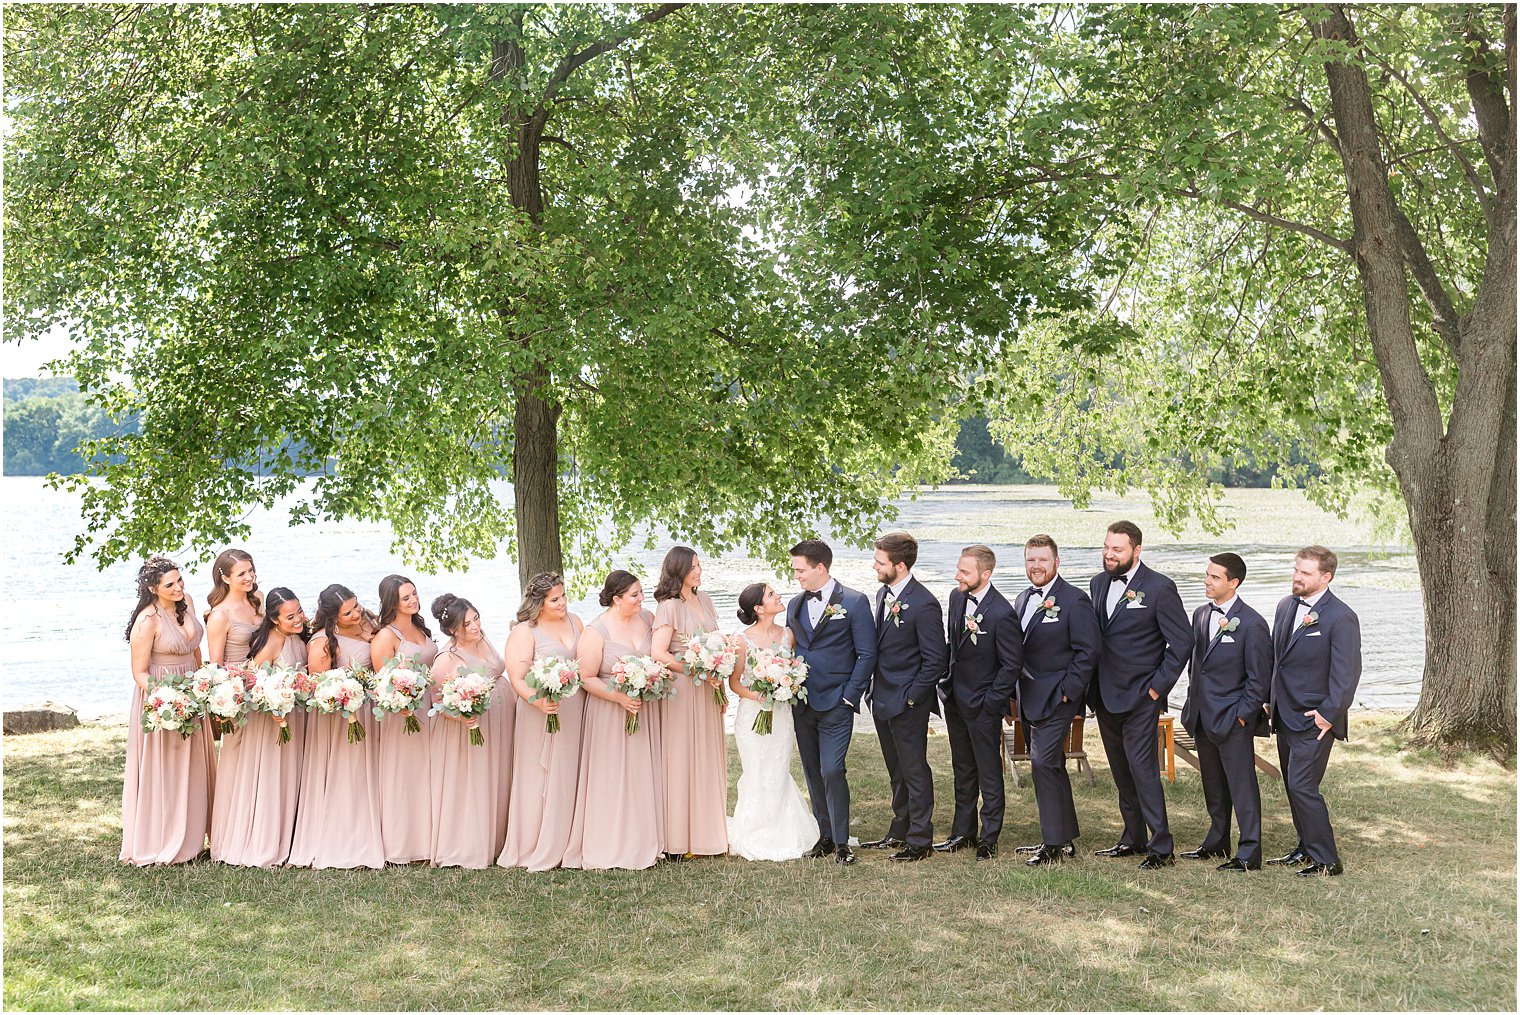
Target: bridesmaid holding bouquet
259	778
470	783
545	766
695	763
618	812
405	783
235	611
166	790
338	815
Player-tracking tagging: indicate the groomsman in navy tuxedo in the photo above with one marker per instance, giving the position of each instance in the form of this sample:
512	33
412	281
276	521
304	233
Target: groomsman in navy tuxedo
1060	647
1146	641
910	663
1318	651
835	637
986	647
1228	677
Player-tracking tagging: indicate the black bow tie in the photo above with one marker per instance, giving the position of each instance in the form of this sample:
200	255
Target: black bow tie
1122	579
1034	591
971	602
1301	601
1217	609
814	595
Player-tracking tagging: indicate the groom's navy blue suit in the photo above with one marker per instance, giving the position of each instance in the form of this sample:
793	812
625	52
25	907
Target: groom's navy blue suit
840	654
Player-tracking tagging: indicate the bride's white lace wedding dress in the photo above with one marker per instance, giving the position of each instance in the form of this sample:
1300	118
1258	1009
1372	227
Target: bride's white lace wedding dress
771	821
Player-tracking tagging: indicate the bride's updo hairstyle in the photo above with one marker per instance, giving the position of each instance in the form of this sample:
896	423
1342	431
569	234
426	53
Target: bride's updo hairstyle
617	583
451	612
748	600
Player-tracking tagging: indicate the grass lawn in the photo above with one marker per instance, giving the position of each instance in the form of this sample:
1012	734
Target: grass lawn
1423	918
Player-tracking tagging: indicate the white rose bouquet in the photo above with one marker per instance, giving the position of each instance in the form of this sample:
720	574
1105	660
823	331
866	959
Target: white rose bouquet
775	675
642	678
222	692
341	691
168	705
466	695
554	679
711	655
274	692
398	688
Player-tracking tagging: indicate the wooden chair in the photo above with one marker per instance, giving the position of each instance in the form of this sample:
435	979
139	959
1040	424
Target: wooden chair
1186	745
1015	749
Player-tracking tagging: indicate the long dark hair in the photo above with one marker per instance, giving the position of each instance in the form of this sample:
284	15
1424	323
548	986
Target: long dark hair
678	564
390	601
452	612
329	602
148	577
220	590
534	594
277	598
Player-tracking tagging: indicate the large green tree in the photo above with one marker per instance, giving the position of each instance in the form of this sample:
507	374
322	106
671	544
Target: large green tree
1318	219
688	266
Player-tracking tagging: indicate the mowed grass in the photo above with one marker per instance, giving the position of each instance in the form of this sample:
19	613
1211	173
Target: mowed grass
1424	918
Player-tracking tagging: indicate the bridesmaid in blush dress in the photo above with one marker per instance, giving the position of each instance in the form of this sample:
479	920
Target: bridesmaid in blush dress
235	611
406	809
617	806
259	778
470	783
338	813
545	766
695	762
166	790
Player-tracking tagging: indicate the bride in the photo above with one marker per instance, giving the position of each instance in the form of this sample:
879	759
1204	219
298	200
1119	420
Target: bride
771	821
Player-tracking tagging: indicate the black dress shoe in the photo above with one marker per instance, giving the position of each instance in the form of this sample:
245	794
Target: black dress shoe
986	850
1156	861
1119	849
910	853
845	855
885	842
821	848
1050	854
1236	865
1291	859
954	843
1321	870
1204	854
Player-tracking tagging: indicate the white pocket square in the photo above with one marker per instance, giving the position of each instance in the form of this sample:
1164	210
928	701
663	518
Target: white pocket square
1051	620
1135	606
1227	638
1313	634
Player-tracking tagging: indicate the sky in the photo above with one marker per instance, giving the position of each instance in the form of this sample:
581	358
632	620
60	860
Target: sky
25	359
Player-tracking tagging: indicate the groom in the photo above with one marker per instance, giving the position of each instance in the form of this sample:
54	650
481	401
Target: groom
836	638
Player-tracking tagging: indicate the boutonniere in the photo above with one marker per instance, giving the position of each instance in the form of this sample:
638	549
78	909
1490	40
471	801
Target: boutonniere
1226	626
1049	608
974	626
833	611
1310	619
895	611
1134	596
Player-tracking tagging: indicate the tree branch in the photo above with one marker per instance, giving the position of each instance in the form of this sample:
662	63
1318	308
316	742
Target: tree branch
1344	246
574	61
1495	130
1443	315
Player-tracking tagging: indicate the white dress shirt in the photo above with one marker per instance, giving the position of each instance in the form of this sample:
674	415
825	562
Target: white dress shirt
815	607
1116	589
1034	603
1226	606
1300	611
893	591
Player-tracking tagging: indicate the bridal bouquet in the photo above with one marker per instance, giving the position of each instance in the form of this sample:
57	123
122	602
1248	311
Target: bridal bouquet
400	688
554	679
222	692
775	675
168	705
466	695
274	692
340	690
642	678
711	655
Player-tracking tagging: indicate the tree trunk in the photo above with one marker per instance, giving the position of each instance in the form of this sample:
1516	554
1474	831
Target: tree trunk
1457	482
535	424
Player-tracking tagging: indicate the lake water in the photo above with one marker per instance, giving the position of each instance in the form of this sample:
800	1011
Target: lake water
64	635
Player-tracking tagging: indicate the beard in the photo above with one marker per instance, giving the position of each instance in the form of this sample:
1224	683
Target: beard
1119	568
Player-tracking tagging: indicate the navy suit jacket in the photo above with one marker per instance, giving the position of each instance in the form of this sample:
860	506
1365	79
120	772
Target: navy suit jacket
910	652
1317	666
1059	653
1145	643
840	653
983	672
1228	674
